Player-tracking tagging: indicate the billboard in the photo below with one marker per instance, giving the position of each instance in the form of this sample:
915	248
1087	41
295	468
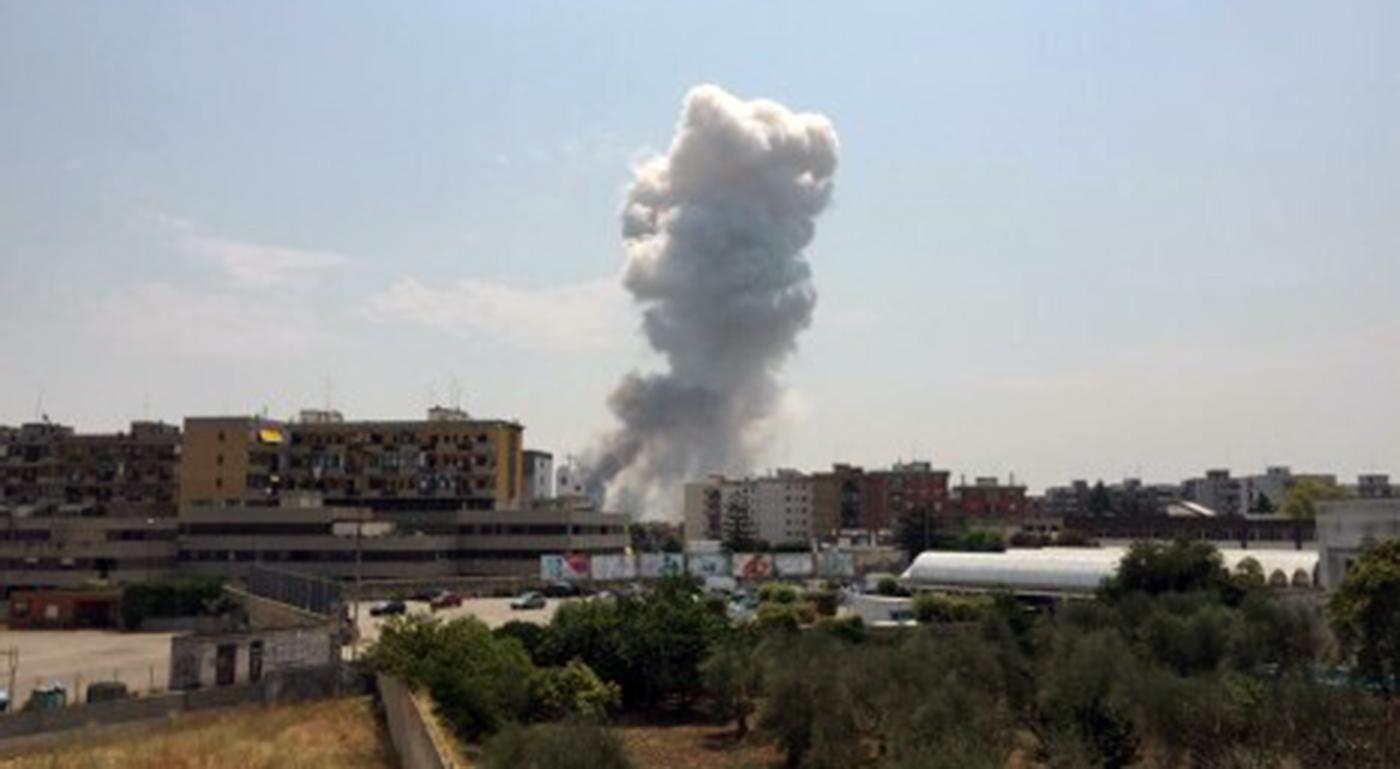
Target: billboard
567	567
753	566
793	564
836	564
657	565
613	567
709	565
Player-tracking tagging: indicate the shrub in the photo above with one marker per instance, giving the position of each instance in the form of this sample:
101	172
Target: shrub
824	600
179	597
937	607
888	586
850	629
531	637
571	690
777	592
778	617
572	745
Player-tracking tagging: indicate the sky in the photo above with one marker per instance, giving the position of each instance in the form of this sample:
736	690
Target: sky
1068	240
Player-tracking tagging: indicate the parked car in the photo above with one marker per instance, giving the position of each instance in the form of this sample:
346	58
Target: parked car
388	608
426	594
444	600
4	700
531	600
562	589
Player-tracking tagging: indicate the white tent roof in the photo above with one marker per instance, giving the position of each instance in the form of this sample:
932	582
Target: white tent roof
1068	569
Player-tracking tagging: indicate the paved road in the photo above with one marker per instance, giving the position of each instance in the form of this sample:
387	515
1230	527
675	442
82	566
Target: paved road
78	657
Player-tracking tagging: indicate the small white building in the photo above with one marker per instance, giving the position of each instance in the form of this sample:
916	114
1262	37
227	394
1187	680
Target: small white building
539	475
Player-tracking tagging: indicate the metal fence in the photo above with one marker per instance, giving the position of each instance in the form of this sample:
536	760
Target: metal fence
313	594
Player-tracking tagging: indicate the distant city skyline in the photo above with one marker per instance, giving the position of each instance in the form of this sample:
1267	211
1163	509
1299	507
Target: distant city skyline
1079	241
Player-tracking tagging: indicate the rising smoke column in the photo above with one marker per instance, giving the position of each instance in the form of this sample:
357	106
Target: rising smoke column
713	233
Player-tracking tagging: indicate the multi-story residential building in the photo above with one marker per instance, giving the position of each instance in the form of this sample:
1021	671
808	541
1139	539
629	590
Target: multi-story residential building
447	461
1374	486
778	507
1264	494
539	475
1217	491
1130	497
988	499
850	498
77	507
303	534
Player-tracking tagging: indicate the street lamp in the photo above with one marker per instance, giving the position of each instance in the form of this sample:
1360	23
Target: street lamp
359	529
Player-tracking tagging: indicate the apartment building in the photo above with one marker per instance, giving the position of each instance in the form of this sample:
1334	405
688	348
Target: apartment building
1374	486
988	499
1127	498
77	507
1217	491
539	475
446	461
778	506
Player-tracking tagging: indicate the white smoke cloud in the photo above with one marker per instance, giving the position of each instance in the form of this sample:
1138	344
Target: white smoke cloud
713	235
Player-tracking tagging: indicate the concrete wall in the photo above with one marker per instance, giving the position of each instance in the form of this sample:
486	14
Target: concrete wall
18	730
408	728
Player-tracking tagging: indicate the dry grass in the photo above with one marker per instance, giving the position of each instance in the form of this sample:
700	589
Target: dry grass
693	746
330	733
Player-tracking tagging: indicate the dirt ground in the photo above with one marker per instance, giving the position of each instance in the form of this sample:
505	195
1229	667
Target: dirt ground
693	746
79	657
331	733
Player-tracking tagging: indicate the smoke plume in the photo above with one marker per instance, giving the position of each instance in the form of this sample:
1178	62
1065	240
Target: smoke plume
713	233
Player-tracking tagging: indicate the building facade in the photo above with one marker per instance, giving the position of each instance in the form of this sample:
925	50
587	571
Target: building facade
304	535
1345	527
987	498
446	461
1217	491
778	508
539	475
78	507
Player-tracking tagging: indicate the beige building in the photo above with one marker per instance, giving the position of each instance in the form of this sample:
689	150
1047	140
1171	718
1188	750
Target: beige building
780	506
446	461
1345	527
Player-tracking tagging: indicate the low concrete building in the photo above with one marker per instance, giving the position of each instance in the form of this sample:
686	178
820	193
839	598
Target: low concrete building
1345	527
202	660
307	537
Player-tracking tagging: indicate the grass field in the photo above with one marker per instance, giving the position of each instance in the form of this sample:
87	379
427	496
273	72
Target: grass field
330	733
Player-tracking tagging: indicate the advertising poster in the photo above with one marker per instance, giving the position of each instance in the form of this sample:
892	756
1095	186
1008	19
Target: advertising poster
658	565
836	564
613	567
709	565
753	566
793	564
564	567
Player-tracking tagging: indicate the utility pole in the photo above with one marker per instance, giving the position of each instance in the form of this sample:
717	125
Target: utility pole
12	657
355	631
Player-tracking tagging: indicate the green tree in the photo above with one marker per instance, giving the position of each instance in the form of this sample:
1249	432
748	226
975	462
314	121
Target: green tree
738	532
571	690
1303	497
1183	566
1365	613
733	675
809	706
916	530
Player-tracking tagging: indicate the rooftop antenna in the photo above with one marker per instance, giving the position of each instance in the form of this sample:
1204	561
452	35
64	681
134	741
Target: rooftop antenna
329	392
456	393
146	406
39	405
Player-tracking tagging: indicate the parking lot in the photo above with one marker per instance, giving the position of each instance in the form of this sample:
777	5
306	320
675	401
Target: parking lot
77	658
493	611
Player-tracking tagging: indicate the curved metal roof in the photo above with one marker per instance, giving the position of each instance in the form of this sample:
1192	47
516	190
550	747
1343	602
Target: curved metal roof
1069	569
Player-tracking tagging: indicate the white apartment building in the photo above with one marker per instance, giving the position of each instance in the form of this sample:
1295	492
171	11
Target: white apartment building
779	505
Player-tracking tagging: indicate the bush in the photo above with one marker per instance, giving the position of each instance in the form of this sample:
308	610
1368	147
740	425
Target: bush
530	636
937	607
180	597
778	617
573	745
478	681
850	629
572	690
888	586
777	592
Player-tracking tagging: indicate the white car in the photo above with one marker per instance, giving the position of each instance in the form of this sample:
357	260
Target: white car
529	600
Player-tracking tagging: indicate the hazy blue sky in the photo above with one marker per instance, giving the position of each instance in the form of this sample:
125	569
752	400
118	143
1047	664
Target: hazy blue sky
1068	239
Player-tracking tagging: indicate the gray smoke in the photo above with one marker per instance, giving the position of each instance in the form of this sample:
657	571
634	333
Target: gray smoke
713	233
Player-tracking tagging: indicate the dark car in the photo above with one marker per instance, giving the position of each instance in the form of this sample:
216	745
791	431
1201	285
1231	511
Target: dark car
425	595
561	590
387	608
